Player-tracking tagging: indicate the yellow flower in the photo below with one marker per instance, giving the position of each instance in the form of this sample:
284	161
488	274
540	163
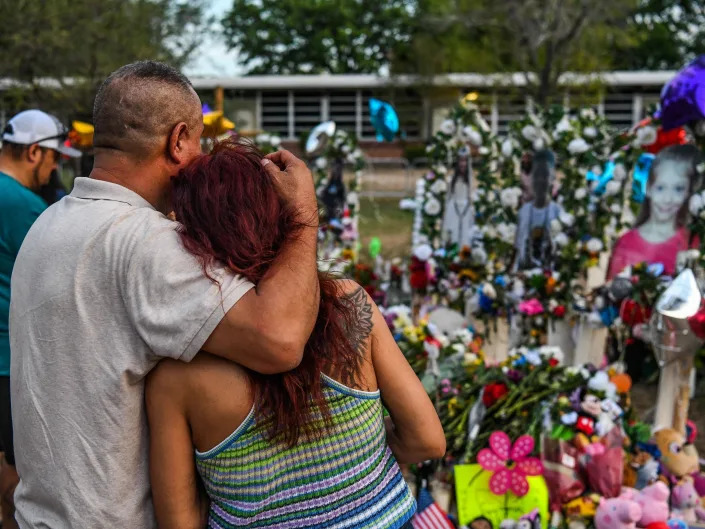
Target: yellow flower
348	254
593	261
467	273
534	333
452	405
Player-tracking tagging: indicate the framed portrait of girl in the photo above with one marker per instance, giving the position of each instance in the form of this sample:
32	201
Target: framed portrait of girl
661	230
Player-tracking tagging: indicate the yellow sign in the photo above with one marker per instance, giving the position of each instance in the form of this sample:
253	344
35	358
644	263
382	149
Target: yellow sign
472	489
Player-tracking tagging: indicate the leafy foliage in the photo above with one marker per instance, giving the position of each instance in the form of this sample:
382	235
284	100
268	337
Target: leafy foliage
304	36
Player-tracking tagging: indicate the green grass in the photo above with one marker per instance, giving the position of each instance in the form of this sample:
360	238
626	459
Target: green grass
381	217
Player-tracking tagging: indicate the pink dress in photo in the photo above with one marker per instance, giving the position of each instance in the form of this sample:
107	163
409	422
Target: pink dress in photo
632	248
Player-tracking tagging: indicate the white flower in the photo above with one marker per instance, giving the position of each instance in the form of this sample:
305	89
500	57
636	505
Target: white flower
612	188
590	132
321	163
561	240
578	146
470	134
566	218
646	135
556	226
484	151
408	204
530	133
464	335
507	231
432	207
353	199
615	208
448	127
539	144
587	113
345	149
562	126
423	252
489	291
510	197
479	255
620	173
580	193
262	138
518	288
507	148
696	204
594	245
439	186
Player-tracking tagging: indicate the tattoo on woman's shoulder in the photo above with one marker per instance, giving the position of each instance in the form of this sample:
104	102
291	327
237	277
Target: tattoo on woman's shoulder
361	325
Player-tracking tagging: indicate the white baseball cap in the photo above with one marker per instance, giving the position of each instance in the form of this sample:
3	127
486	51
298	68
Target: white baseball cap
34	126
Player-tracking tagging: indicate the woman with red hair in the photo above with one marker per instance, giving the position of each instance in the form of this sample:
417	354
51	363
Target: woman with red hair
308	448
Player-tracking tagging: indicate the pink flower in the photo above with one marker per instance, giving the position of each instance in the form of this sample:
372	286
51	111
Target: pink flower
510	464
531	307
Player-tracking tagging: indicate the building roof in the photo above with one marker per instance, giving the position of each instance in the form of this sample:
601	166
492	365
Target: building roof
358	81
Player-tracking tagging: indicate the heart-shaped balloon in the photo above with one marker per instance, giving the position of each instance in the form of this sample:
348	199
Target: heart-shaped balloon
697	322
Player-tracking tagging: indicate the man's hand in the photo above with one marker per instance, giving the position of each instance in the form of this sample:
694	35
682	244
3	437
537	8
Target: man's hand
294	182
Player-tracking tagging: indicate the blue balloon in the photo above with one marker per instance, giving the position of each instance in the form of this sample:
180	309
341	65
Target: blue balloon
384	119
641	176
608	315
602	179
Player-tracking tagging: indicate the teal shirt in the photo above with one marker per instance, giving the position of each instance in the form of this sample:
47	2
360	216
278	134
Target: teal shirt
19	208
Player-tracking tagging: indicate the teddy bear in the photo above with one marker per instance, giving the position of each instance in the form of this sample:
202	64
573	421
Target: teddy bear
686	502
617	513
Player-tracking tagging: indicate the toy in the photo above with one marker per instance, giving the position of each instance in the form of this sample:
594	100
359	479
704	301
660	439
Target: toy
686	502
617	513
679	459
640	470
653	501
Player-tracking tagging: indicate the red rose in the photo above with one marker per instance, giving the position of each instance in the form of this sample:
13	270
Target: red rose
559	311
553	362
632	313
493	392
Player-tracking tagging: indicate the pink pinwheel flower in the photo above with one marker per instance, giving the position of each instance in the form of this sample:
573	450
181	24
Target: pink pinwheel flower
531	307
510	464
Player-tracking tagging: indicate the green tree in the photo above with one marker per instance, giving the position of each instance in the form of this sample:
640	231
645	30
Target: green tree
58	51
663	34
541	38
316	36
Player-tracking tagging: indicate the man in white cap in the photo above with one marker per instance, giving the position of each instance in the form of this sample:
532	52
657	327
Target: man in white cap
32	144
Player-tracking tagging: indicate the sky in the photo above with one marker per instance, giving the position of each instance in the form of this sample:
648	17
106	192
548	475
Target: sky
213	58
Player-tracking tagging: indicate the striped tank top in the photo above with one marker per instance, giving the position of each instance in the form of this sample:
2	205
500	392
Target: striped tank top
348	479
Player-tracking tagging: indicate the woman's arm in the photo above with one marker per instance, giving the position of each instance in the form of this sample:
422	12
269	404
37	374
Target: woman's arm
415	433
178	504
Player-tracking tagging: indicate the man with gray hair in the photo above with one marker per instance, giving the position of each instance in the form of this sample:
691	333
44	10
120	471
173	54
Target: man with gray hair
103	289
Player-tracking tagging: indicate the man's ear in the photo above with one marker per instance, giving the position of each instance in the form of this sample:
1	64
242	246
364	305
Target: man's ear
176	144
33	153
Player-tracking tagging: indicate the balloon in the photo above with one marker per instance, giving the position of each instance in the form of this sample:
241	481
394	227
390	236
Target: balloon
641	176
375	247
319	138
665	139
683	97
678	323
384	119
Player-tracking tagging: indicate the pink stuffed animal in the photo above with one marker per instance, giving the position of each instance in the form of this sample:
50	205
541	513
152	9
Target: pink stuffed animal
686	502
617	513
653	501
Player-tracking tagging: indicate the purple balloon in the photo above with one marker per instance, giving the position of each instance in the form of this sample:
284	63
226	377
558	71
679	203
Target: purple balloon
683	97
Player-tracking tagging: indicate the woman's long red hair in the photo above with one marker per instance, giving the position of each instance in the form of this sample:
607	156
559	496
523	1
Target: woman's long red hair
230	213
